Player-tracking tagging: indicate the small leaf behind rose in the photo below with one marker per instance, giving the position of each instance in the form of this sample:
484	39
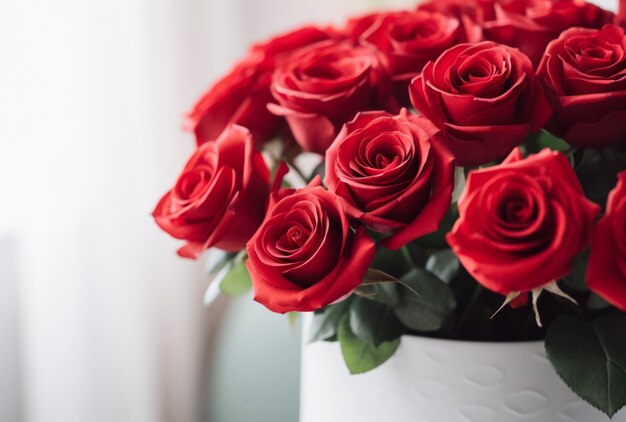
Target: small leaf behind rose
444	264
360	356
591	358
373	322
374	276
431	310
544	139
386	293
576	279
237	281
437	240
325	321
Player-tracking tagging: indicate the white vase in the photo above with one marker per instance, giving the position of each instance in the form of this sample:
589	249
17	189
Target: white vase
431	380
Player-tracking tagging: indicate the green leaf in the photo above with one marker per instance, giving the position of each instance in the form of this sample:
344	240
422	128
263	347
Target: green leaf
373	322
325	321
444	264
430	310
390	262
544	139
596	177
386	293
596	302
374	276
360	356
437	240
576	279
237	281
292	319
591	358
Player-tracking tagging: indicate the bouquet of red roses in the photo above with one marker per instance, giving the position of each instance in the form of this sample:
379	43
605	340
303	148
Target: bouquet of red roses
467	181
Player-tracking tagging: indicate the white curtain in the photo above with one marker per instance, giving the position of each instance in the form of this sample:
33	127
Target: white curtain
105	323
91	101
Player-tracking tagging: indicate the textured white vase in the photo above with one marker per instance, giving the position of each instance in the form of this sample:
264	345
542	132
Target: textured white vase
430	380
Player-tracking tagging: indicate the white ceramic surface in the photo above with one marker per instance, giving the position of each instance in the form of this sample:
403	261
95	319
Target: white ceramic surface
430	380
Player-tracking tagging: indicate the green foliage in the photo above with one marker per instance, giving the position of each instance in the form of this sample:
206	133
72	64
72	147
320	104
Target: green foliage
325	321
437	240
386	293
591	358
237	281
431	309
292	319
544	139
373	322
444	264
359	355
390	262
576	279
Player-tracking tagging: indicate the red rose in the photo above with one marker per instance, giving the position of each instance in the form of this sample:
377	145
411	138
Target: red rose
325	85
484	97
606	271
407	40
356	26
585	75
242	95
522	222
467	12
220	197
392	173
531	24
305	255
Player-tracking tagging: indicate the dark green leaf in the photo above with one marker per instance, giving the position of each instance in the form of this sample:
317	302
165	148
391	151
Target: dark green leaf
429	311
373	322
325	321
237	281
576	279
390	262
360	356
595	302
386	293
596	176
591	358
444	264
543	139
437	240
374	276
615	158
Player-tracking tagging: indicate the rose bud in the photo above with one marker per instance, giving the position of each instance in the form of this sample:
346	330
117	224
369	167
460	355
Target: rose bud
522	222
531	25
241	96
585	76
220	197
305	255
484	97
606	271
325	85
393	174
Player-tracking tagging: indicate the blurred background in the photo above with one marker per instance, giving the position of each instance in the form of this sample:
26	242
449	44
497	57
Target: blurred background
99	319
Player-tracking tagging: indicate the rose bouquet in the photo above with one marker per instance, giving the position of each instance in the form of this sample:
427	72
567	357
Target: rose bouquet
457	172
